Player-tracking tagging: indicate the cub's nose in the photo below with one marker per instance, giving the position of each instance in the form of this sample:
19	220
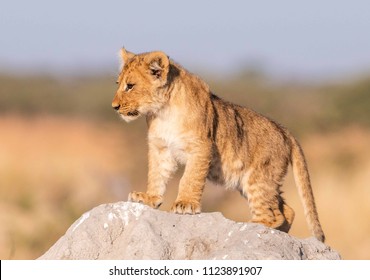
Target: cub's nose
115	106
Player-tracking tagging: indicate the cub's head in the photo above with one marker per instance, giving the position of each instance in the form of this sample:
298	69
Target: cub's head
141	84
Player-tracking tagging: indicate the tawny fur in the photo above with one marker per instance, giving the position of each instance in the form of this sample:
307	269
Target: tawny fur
225	143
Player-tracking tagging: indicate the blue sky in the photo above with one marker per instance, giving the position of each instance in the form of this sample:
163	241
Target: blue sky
310	39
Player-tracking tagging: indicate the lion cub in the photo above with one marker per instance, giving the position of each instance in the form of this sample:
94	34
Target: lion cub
215	140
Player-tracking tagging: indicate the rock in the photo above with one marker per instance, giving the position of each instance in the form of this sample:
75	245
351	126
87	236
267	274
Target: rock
126	230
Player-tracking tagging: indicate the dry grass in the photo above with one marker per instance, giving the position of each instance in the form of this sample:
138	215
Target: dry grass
53	169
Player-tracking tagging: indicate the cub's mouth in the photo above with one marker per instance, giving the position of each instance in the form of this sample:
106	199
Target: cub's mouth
134	113
130	116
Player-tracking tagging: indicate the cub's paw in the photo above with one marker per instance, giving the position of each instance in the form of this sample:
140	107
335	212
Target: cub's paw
153	201
186	207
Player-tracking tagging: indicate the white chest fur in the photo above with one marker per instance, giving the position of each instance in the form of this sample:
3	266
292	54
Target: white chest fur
167	131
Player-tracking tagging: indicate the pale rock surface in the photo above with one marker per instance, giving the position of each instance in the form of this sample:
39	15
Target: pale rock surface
126	230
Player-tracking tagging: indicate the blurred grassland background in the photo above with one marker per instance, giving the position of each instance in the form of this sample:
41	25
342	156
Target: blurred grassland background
63	151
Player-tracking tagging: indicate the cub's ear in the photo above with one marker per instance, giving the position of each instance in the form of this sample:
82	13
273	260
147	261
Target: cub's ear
158	64
125	56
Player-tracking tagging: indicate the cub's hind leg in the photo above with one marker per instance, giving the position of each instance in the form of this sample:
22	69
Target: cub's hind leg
289	214
267	205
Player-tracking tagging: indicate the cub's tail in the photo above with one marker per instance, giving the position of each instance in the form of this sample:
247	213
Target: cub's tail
302	180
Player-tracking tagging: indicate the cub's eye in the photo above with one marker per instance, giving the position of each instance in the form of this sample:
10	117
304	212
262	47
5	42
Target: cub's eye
129	86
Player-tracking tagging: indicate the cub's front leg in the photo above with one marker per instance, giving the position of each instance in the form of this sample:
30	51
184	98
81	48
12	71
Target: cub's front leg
193	180
161	166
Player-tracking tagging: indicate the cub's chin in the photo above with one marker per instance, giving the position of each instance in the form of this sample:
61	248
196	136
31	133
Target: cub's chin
130	116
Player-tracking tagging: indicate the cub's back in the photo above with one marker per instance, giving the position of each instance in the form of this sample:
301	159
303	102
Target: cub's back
242	130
